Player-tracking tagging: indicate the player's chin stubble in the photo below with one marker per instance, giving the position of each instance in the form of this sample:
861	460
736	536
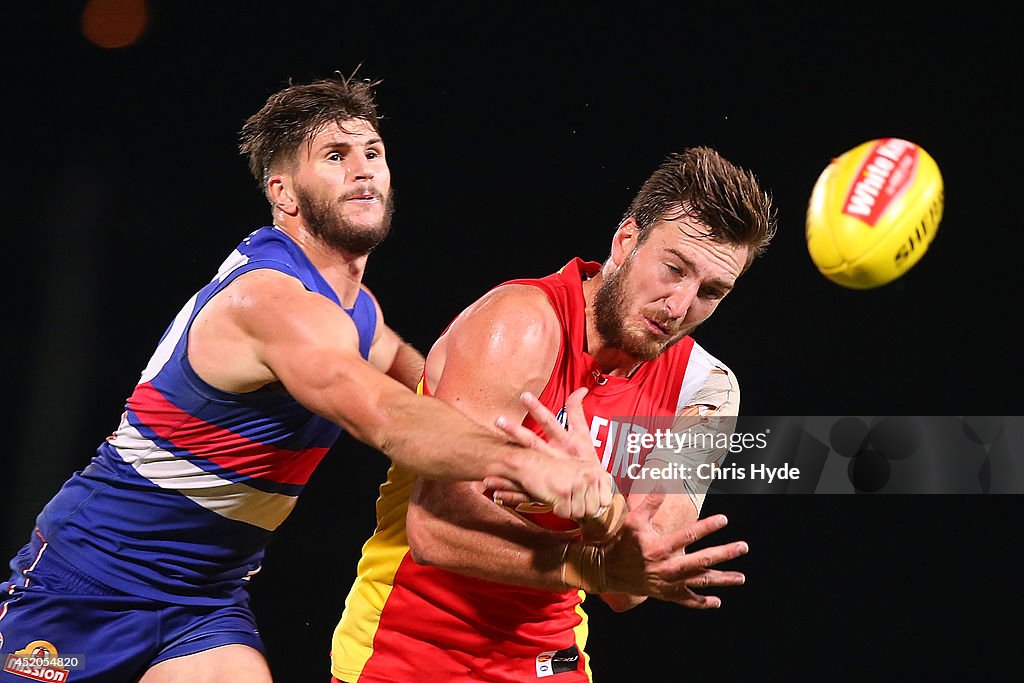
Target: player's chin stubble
326	220
610	304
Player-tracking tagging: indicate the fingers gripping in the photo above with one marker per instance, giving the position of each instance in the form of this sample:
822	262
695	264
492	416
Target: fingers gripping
574	492
576	418
544	417
518	433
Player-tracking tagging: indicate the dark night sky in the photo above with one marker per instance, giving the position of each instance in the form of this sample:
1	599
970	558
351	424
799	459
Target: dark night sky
516	139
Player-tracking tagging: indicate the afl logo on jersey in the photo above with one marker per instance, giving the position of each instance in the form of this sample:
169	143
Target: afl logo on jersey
563	419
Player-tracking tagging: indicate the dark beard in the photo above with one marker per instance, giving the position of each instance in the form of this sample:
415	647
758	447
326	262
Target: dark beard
609	303
325	220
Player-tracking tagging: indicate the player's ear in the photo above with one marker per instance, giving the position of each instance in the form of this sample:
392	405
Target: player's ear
281	193
626	238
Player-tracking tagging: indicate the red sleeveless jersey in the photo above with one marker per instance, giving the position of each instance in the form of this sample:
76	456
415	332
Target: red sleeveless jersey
406	622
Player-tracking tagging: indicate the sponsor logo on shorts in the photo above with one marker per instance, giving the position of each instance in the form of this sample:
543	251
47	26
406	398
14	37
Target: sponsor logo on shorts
555	662
40	661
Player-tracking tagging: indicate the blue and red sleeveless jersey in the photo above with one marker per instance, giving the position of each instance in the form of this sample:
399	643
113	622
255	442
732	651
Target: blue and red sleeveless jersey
180	502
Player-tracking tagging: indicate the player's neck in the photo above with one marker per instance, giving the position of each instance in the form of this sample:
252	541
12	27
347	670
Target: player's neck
613	362
342	270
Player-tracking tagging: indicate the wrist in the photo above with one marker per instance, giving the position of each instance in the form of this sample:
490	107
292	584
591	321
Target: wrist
602	527
583	567
515	463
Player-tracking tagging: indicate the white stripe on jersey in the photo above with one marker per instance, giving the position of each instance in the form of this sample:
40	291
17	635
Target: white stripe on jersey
166	347
233	500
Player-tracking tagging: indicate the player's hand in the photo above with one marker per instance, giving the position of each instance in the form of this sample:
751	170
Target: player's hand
642	561
573	438
565	472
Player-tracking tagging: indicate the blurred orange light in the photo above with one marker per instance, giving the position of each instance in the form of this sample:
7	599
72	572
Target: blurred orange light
113	23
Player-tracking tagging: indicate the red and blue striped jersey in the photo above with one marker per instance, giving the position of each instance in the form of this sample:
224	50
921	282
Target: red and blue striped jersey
180	502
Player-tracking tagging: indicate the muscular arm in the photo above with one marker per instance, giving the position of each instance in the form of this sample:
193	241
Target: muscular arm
407	366
487	358
501	346
265	327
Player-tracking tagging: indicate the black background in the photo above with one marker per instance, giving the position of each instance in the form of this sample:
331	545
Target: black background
516	136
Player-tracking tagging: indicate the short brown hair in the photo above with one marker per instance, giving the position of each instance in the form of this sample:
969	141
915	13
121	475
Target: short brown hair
701	184
294	115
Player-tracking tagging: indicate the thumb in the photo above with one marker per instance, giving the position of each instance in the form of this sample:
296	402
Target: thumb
576	397
576	419
650	504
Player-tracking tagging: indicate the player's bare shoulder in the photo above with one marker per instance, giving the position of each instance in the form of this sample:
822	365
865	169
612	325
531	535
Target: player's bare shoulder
512	326
262	316
222	346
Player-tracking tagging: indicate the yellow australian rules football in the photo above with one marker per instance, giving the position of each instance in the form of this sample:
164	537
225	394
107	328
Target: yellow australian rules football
873	212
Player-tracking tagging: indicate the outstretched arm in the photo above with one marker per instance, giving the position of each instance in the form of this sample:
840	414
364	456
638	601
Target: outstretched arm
502	346
266	327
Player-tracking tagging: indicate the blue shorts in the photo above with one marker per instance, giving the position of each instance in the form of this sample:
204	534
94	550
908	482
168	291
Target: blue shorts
57	623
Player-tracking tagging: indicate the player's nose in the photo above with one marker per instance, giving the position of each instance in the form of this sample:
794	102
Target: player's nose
360	168
678	303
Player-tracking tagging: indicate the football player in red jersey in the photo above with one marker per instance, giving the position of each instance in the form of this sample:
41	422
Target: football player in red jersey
464	589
